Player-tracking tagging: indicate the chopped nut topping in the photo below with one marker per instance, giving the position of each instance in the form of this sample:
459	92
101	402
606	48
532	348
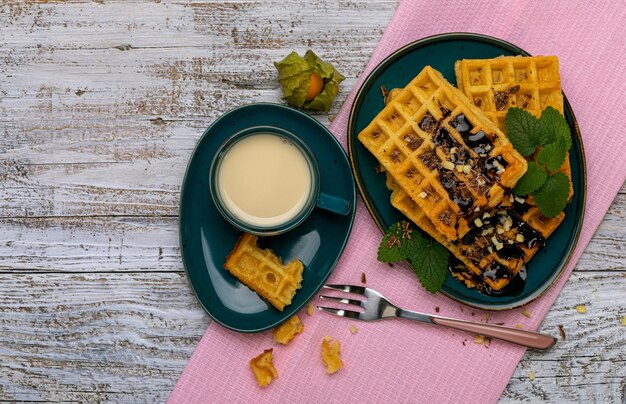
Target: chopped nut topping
520	200
501	99
499	229
395	155
486	215
453	150
514	89
490	249
519	238
488	147
526	313
467	169
410	172
487	232
448	165
531	375
478	222
459	168
412	141
423	195
392	241
511	199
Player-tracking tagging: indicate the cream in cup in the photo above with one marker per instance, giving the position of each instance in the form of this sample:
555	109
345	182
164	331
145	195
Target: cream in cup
264	180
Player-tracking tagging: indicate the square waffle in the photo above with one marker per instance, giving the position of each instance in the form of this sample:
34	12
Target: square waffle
450	159
530	83
264	272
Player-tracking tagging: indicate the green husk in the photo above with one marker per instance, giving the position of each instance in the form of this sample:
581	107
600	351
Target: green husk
294	75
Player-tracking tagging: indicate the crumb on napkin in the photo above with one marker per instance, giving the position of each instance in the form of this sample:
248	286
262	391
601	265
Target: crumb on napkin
284	333
331	352
263	368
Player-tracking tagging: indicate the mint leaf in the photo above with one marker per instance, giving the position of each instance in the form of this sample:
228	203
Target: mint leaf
397	242
428	258
430	263
553	154
524	131
555	124
552	197
532	180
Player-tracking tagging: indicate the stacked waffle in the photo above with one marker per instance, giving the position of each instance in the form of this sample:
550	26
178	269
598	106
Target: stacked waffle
490	232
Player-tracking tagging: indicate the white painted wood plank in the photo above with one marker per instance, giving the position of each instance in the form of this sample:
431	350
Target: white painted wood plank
128	336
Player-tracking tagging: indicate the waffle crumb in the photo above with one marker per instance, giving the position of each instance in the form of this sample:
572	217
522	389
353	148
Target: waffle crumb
581	309
531	375
353	329
520	326
624	320
481	340
363	278
310	309
486	317
331	352
263	368
526	313
287	331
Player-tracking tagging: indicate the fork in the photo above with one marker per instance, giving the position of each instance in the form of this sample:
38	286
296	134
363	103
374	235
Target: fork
377	307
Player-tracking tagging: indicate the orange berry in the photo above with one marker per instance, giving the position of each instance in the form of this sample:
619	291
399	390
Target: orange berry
315	87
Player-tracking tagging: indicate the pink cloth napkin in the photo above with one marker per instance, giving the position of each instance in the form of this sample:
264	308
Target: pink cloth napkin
401	361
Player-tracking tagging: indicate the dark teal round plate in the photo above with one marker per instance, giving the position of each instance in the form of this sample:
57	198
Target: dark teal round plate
206	237
440	52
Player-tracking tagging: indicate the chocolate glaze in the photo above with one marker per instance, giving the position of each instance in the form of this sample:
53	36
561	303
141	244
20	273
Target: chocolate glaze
456	189
428	123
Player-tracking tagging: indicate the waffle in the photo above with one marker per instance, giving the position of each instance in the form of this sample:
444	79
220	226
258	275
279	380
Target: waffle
450	159
530	83
264	272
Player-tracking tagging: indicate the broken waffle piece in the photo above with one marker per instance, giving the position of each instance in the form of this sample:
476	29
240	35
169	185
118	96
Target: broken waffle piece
264	272
263	368
331	352
287	331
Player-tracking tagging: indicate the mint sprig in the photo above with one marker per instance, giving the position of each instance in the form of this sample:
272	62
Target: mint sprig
525	131
428	259
552	197
550	134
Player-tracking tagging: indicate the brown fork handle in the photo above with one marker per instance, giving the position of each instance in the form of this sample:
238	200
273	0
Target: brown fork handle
528	339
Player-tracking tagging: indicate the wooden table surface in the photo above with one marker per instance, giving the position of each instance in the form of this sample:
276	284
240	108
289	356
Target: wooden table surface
101	104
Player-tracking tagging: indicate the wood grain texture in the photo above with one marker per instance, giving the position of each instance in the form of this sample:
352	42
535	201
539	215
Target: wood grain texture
101	104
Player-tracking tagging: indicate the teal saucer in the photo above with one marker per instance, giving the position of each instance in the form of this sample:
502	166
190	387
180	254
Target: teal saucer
206	237
440	52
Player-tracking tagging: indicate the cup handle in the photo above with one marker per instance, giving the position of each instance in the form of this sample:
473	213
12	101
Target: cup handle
333	204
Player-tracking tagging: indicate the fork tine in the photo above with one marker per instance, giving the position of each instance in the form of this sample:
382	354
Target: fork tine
347	288
342	300
340	312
